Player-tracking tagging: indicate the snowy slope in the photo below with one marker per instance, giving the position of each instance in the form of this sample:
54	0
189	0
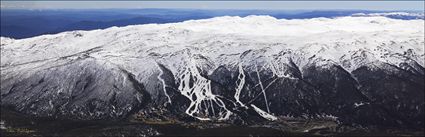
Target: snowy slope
260	47
338	36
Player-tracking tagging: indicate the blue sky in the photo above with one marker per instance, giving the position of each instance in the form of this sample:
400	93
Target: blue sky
273	5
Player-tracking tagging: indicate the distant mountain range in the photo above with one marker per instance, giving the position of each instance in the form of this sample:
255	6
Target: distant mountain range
29	23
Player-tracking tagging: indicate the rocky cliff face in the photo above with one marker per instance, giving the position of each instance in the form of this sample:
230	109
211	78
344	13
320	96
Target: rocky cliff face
356	70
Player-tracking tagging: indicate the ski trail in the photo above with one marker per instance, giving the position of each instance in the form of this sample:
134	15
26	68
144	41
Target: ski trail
239	85
198	90
164	86
262	88
263	113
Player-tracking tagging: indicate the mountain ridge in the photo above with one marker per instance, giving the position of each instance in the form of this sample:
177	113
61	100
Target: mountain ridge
224	69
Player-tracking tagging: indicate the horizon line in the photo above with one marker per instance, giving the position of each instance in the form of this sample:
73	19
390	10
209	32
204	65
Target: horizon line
253	9
239	5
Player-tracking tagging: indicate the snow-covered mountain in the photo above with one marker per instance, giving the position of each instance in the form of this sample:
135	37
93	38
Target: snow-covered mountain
395	15
366	70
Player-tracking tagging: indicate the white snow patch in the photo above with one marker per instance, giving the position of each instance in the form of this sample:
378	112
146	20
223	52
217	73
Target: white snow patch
264	114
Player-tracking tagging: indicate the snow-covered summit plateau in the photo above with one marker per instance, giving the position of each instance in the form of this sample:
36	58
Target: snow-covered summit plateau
224	68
